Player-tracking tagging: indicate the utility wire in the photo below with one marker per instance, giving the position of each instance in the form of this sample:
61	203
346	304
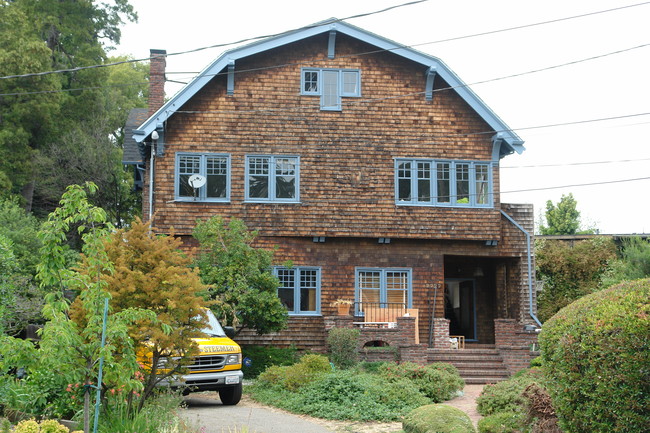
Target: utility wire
572	164
334	21
81	68
576	185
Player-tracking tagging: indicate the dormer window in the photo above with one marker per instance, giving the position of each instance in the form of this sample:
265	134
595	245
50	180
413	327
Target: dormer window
331	85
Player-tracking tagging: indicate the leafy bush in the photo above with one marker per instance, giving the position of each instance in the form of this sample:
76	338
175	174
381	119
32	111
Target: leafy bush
345	394
263	357
506	396
437	418
45	426
569	271
343	348
295	376
502	422
596	355
439	381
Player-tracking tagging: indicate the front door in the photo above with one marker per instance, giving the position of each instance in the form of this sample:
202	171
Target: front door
460	307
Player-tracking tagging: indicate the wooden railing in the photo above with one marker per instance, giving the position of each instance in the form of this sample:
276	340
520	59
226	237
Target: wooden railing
379	311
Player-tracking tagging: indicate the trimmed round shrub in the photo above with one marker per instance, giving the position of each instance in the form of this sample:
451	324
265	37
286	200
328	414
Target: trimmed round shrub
439	382
506	396
437	418
596	358
502	422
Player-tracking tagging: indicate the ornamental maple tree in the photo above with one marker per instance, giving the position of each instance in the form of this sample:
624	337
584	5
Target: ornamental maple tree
150	272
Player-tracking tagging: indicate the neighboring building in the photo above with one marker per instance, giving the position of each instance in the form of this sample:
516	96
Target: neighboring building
371	166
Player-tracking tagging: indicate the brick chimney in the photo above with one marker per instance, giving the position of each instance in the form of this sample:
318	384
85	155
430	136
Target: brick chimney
157	65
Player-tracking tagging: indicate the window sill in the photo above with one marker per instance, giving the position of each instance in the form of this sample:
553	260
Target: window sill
456	205
199	200
271	201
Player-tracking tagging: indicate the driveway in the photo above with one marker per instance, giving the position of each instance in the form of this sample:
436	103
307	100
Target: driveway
208	415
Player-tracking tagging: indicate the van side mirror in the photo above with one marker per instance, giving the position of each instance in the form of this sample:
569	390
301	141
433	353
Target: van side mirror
230	331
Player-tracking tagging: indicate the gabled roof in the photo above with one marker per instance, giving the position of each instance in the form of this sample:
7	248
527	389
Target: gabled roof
505	134
132	152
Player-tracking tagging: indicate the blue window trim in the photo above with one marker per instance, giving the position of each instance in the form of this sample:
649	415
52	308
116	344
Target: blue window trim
271	193
383	294
340	92
453	192
296	290
202	171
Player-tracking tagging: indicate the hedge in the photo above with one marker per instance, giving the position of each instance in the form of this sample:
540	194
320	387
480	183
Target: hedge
596	357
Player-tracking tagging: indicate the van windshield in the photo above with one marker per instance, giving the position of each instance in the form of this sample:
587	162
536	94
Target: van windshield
213	327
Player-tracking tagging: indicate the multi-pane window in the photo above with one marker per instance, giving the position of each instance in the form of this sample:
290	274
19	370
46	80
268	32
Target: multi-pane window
443	183
299	289
378	287
272	178
331	85
202	177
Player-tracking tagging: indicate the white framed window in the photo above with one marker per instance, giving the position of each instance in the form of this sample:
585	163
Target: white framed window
272	178
427	182
214	168
383	287
330	85
299	289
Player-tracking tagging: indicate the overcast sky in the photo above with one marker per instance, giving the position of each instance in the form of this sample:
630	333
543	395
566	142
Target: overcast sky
557	111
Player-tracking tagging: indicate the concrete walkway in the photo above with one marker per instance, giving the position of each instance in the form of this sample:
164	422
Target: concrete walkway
467	402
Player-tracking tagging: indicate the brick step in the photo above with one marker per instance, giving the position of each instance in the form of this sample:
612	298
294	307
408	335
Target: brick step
475	365
462	366
467	358
483	380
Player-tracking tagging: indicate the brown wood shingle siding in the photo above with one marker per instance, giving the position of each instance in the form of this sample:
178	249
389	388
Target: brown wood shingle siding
346	158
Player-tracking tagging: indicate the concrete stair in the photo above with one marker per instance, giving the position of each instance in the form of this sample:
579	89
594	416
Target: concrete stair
477	365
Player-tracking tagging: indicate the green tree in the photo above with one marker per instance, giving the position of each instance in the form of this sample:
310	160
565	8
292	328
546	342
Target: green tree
239	276
150	272
569	271
36	111
20	299
563	218
632	263
68	352
88	153
21	228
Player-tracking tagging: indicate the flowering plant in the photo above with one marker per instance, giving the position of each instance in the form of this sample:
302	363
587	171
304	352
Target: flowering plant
341	301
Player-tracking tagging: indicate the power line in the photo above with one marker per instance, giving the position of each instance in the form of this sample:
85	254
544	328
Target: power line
576	185
334	21
81	68
572	164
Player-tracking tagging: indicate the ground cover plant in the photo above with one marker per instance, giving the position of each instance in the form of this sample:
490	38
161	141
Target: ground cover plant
353	394
438	418
596	354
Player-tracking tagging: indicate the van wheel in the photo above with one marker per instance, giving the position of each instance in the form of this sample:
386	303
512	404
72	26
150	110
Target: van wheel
230	396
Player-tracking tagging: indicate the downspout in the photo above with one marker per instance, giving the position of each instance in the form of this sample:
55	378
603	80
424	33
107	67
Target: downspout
154	139
530	267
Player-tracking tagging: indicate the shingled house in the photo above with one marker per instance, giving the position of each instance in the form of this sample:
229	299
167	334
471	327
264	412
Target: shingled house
373	168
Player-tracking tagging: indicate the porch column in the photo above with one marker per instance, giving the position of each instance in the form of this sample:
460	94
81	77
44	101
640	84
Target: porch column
441	334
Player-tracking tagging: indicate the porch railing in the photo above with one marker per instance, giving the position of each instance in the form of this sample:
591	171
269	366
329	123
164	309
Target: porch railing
379	311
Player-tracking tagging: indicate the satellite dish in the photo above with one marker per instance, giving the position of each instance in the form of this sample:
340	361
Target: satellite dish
196	181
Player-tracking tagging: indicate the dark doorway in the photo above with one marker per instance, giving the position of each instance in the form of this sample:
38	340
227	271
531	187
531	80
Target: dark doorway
460	307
